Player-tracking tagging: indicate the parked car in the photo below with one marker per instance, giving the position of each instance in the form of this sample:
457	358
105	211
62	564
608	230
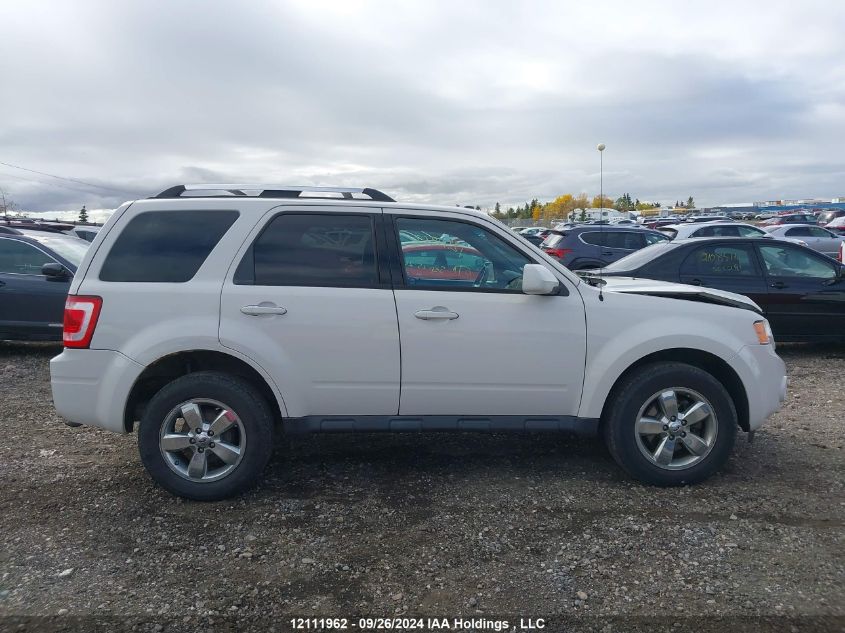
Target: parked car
36	268
535	239
624	222
593	247
837	225
659	222
719	229
708	218
829	215
436	260
815	237
802	292
87	233
534	230
791	218
298	314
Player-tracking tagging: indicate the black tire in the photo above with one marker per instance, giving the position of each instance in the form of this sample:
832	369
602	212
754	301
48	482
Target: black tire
634	391
243	399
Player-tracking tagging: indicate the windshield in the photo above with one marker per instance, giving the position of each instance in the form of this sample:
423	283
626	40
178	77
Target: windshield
71	248
640	257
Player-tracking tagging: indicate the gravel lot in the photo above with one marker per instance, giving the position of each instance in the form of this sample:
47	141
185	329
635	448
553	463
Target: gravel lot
425	525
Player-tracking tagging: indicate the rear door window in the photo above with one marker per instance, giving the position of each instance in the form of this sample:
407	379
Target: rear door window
815	231
165	246
596	239
720	260
749	231
312	249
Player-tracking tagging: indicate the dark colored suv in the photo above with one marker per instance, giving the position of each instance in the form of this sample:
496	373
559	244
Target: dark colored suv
595	246
36	268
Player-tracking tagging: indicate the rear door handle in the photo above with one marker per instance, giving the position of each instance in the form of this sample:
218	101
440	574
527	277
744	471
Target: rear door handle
437	312
262	309
695	282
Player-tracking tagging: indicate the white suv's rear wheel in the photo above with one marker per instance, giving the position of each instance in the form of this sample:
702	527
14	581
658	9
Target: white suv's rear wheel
670	424
206	436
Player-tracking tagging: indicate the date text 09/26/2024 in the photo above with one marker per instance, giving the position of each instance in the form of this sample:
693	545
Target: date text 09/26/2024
416	624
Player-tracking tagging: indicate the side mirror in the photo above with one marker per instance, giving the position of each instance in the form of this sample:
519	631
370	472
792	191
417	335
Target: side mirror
55	272
538	280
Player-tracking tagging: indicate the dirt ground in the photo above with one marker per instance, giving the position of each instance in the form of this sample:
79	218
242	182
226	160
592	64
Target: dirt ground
480	526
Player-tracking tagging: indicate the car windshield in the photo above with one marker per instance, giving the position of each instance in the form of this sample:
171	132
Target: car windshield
71	248
640	257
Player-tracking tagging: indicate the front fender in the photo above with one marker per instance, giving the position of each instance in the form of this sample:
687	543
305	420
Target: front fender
624	329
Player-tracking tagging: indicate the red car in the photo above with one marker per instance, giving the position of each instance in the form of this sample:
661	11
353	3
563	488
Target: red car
427	260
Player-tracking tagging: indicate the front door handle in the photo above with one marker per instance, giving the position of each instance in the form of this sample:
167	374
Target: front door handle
695	282
262	309
437	312
778	285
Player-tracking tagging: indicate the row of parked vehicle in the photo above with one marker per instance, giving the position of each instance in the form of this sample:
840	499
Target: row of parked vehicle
793	271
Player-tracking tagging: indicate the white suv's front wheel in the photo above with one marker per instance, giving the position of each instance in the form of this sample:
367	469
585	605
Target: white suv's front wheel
206	436
670	424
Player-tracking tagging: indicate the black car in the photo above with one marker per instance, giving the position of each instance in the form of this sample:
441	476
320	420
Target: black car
36	268
593	246
802	292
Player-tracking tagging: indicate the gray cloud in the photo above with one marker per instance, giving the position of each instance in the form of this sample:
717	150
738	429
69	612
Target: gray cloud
470	103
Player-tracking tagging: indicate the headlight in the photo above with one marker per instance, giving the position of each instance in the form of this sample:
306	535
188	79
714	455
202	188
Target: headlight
764	333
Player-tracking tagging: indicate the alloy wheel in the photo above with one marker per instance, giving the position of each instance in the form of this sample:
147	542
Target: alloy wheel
676	428
202	440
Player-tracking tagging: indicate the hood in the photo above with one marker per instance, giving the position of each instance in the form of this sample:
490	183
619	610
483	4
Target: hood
670	290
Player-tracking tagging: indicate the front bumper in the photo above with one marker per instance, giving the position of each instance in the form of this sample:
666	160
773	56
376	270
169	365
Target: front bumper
91	386
763	374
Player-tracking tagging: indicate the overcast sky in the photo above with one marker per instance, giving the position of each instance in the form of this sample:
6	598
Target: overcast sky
446	102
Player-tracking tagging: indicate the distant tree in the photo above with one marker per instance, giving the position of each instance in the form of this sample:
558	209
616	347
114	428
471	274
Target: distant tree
599	202
498	208
690	203
624	203
83	215
582	201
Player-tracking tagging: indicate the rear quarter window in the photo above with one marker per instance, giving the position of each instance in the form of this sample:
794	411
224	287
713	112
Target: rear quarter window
165	246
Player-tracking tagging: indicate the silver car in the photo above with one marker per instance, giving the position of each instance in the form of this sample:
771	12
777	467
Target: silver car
816	237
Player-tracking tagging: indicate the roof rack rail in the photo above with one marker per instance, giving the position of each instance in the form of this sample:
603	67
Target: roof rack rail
272	191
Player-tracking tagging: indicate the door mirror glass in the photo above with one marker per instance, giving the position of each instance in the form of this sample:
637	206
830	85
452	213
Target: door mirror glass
538	280
54	271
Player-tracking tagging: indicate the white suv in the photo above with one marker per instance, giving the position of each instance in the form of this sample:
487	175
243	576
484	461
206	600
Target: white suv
213	316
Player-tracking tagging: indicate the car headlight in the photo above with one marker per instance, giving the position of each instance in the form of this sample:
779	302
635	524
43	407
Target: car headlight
764	333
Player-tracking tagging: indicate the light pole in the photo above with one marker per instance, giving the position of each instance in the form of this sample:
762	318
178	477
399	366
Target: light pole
601	147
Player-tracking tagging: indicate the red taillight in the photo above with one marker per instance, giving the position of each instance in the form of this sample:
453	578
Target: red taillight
81	314
560	253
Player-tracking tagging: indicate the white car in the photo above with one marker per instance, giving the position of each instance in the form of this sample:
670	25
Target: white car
211	322
534	230
816	237
716	229
87	233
